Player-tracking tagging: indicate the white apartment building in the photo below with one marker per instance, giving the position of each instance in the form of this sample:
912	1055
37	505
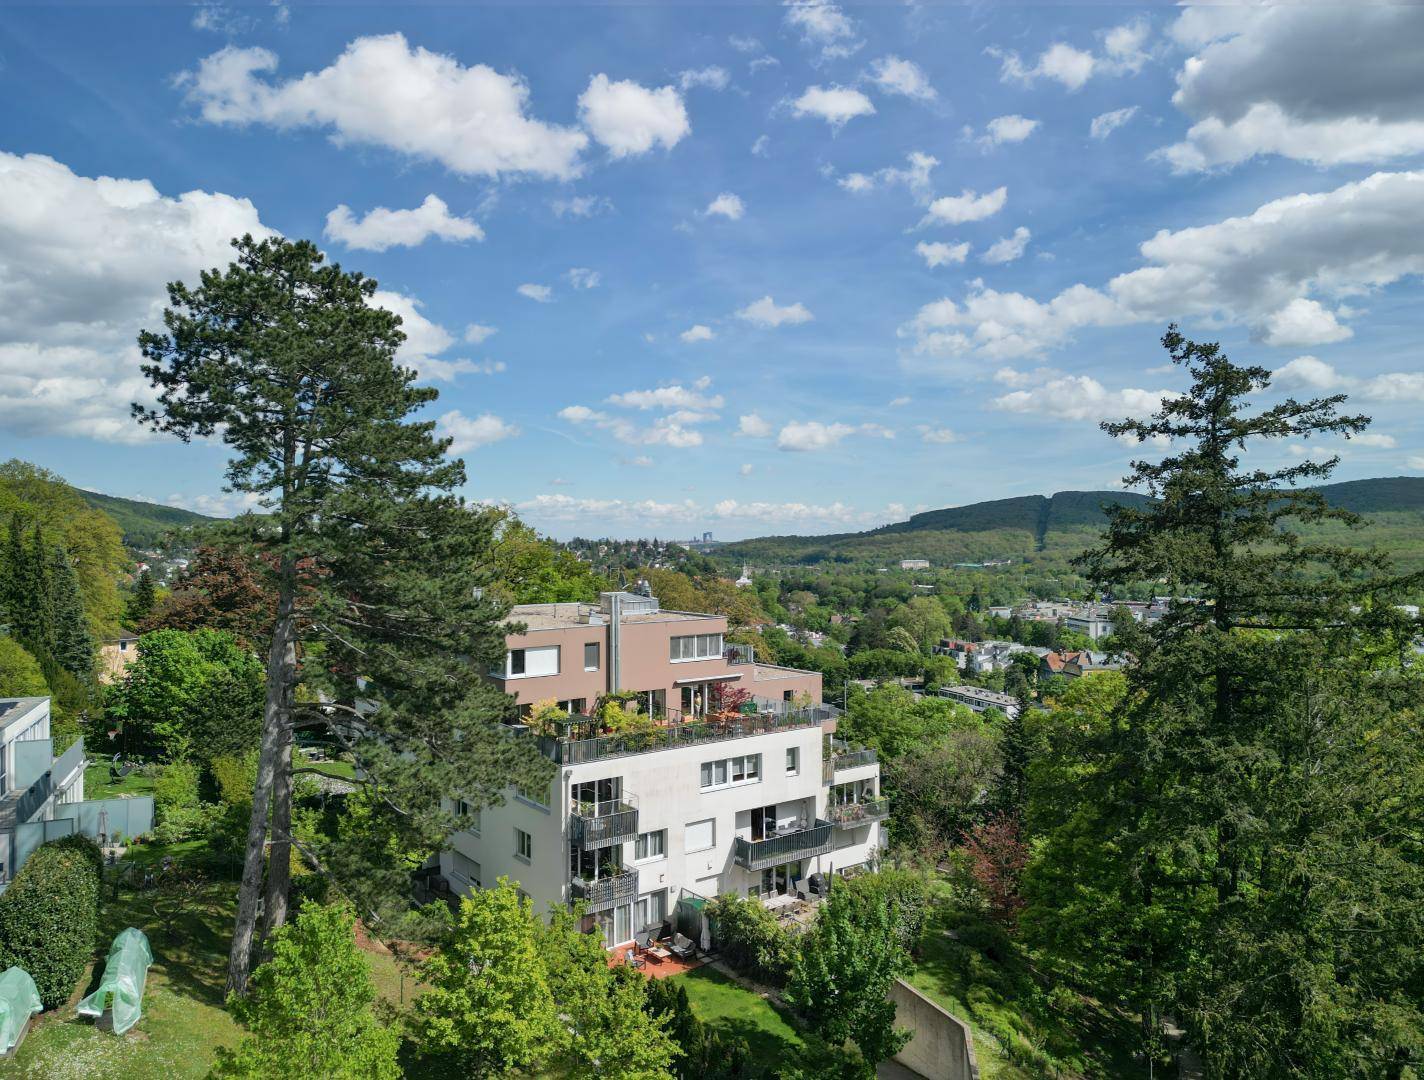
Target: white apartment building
752	803
981	700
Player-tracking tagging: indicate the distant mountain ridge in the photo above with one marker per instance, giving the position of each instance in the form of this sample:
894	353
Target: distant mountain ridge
143	523
1026	523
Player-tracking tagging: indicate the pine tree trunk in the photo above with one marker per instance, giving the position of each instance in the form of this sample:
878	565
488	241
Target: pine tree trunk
279	674
279	862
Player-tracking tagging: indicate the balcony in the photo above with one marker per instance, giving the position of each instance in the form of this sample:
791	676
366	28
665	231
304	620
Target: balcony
670	735
786	847
606	893
847	758
594	825
849	815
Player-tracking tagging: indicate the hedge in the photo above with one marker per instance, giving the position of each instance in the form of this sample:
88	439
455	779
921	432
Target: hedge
49	916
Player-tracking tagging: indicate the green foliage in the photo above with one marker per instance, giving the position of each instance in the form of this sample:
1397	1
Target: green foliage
533	570
904	893
142	597
49	916
190	696
20	673
309	1008
666	1004
844	969
176	787
144	524
751	940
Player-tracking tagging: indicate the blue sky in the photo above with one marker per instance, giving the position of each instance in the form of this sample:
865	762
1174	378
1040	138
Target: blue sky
747	268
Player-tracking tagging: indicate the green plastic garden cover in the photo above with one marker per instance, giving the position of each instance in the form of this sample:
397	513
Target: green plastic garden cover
125	972
19	1000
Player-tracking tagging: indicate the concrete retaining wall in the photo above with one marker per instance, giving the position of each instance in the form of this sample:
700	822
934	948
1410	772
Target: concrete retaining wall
941	1046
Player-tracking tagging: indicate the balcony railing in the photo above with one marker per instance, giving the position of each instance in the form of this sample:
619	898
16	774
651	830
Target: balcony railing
606	893
849	815
671	735
52	783
853	759
787	847
603	824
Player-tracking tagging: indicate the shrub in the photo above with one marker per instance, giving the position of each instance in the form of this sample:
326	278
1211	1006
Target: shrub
49	916
176	788
905	892
751	939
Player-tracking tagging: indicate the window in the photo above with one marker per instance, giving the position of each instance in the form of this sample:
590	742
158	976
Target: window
725	771
530	663
793	760
590	656
701	835
523	845
652	909
538	796
650	845
469	816
695	647
465	869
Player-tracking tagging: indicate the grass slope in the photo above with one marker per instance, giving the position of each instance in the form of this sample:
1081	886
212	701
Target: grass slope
143	523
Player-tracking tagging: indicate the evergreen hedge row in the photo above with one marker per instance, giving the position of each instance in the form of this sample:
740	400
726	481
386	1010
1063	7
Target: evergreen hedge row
49	916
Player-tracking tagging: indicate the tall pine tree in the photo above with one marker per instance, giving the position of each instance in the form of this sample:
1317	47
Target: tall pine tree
69	639
380	572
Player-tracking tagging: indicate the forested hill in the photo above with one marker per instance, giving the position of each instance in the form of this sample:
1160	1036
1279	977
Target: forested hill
1064	523
143	523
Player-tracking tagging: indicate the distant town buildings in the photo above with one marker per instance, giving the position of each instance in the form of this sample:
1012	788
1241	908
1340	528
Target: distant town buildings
981	700
914	564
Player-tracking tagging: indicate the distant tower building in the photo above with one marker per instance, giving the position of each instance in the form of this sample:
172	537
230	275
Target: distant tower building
745	579
707	538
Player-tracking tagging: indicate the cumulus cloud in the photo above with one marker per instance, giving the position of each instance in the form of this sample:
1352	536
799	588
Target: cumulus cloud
581	277
811	435
712	78
472	432
941	254
475	334
676	396
836	105
1004	129
967	206
1312	374
1081	397
683	408
1259	270
765	313
1008	248
759	148
726	205
904	77
1325	84
382	229
581	206
754	427
697	332
938	435
644	513
915	176
382	92
629	119
541	293
1123	53
1104	124
823	26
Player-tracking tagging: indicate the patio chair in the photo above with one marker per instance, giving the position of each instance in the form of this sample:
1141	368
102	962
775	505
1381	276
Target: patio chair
682	947
632	959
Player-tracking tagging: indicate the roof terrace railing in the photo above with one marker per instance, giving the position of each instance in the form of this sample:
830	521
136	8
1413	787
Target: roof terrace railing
668	736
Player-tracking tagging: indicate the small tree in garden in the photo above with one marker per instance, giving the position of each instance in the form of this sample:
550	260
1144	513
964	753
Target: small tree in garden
308	1008
997	857
843	974
751	940
729	698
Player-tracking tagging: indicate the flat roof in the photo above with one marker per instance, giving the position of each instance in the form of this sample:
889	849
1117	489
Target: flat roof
770	672
12	709
570	616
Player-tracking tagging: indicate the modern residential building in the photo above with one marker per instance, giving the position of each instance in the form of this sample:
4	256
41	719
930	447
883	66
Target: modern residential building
704	800
981	700
914	564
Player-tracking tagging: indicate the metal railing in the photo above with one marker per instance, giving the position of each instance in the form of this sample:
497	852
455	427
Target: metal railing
849	815
607	892
787	847
604	823
853	759
672	735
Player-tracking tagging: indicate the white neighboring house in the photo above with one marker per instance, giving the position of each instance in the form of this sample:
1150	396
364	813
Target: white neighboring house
981	700
33	785
752	805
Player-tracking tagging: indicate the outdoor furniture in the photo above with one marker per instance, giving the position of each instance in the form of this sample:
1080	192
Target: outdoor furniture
632	959
683	947
658	953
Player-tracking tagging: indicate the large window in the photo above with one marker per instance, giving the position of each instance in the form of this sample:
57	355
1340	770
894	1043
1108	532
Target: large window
469	816
523	845
695	647
726	772
537	796
531	663
650	845
701	835
651	909
465	869
590	656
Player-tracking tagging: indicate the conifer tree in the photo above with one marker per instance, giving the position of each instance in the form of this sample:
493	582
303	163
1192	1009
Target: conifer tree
70	641
142	599
380	572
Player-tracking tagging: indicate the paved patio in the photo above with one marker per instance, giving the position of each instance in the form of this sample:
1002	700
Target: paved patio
669	966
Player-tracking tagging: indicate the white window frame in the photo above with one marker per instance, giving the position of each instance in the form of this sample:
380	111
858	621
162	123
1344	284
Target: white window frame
642	910
688	840
640	855
541	650
721	772
456	870
793	761
688	648
523	845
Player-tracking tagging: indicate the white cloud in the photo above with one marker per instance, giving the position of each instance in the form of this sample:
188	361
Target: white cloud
382	229
1125	47
823	25
425	340
765	313
900	402
726	205
877	431
1308	371
697	332
542	293
744	44
470	433
896	76
713	78
581	206
836	105
1104	124
1326	84
915	176
1252	270
1383	442
629	119
475	334
581	277
1416	463
745	470
938	435
759	147
668	397
652	515
381	92
1008	248
811	435
754	427
1006	129
1081	397
967	206
484	367
1062	63
1313	374
941	254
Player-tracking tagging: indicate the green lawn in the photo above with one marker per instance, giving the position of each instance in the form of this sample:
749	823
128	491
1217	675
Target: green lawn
730	1009
98	786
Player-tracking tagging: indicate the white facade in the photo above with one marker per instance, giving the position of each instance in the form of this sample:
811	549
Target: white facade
693	802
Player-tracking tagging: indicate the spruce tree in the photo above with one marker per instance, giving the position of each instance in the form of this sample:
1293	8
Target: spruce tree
69	639
142	599
380	573
1014	756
